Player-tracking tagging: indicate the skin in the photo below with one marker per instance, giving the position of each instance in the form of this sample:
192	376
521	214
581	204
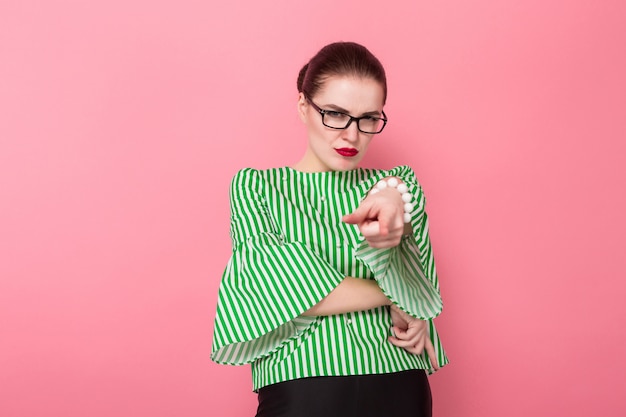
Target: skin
379	217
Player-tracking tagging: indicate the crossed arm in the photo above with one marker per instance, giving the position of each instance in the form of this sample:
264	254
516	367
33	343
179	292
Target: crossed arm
380	220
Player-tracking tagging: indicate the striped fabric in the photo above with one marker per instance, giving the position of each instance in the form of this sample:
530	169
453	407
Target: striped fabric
290	249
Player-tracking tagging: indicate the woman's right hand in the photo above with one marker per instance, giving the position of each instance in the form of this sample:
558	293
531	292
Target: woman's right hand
380	218
411	334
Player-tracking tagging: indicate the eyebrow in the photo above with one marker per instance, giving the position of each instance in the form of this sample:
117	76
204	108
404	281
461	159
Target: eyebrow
342	110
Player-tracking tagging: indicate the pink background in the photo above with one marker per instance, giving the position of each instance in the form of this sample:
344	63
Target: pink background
122	122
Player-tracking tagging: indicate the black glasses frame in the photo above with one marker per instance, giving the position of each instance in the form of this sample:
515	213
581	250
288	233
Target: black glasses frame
351	119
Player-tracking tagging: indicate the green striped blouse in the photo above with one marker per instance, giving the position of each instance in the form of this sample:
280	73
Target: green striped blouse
290	249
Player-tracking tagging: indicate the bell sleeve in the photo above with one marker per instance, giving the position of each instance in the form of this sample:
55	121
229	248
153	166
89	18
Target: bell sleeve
267	284
406	273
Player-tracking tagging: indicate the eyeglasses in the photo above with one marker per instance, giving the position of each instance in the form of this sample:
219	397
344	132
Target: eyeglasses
338	120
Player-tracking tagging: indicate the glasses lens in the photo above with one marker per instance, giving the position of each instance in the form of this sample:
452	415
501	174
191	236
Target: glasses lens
336	119
371	125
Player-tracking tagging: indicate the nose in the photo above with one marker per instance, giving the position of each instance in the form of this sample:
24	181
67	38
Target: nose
351	133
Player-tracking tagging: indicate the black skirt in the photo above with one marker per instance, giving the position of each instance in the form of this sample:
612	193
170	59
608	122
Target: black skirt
399	394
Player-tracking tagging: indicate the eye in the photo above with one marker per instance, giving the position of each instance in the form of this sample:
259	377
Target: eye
335	114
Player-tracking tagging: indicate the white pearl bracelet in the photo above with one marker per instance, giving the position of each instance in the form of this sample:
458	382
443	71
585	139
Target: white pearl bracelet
402	189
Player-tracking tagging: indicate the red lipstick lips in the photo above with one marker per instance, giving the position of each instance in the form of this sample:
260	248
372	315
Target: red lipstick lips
349	152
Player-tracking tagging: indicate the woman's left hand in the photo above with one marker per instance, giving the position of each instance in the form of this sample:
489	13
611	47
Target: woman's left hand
380	218
411	334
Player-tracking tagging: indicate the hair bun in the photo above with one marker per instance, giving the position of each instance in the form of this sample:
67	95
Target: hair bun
340	59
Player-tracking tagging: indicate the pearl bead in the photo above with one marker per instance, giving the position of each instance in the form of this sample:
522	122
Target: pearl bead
404	191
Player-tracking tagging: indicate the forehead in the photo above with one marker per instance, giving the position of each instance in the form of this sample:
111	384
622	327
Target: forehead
351	93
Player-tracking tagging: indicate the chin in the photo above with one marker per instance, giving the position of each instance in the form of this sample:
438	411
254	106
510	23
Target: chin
344	165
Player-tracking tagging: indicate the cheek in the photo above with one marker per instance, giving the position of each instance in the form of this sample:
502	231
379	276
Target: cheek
320	134
315	128
366	143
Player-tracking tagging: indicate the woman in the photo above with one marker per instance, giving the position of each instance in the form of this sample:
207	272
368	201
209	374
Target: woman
331	286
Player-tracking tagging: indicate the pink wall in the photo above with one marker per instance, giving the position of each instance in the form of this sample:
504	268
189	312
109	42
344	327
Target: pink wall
121	124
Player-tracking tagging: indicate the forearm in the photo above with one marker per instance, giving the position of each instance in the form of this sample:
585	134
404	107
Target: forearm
352	294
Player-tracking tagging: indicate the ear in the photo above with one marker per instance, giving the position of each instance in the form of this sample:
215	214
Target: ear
302	107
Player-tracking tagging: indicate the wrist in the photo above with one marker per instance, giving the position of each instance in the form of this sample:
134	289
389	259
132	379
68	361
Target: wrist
397	185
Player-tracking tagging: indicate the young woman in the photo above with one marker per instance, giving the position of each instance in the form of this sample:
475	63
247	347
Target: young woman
331	288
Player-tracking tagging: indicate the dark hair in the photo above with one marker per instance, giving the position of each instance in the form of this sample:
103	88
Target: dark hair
340	58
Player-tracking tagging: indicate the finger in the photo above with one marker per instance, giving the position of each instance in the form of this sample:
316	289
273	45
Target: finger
397	342
419	346
399	332
430	350
357	216
401	337
370	230
401	343
417	342
353	218
415	350
411	336
385	218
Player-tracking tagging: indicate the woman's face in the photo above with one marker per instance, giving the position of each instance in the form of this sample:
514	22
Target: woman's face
339	150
